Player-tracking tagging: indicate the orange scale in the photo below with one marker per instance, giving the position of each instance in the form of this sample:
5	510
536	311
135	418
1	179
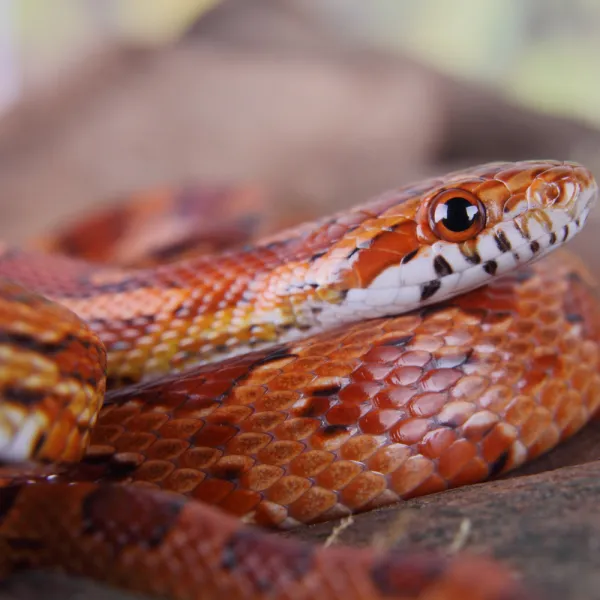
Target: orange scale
591	397
314	406
310	506
455	458
298	428
358	392
149	421
402	326
459	336
280	452
318	350
229	415
261	477
376	422
498	442
410	431
534	427
200	458
434	327
348	353
389	458
398	397
413	473
287	489
474	471
363	336
425	343
436	442
432	485
154	471
580	378
106	434
383	354
338	474
578	420
548	336
336	369
325	386
167	449
213	491
246	394
264	421
213	389
371	372
553	392
547	439
180	428
183	481
307	363
214	435
470	387
344	414
428	404
291	381
276	401
520	410
331	438
134	442
360	447
240	502
496	398
310	463
404	376
478	425
196	407
438	380
363	488
414	358
248	443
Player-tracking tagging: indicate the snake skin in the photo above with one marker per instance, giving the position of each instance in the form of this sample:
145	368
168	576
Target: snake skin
303	421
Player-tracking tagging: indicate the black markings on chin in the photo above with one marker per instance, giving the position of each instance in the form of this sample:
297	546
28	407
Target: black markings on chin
490	267
408	257
429	289
565	233
552	239
472	256
502	241
535	247
441	266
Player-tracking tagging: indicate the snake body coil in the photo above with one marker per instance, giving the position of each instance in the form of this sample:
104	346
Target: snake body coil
273	382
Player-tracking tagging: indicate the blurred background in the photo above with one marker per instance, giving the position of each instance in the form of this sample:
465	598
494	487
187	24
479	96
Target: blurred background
319	103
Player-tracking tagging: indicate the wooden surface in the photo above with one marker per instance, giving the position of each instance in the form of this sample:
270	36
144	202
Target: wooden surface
318	129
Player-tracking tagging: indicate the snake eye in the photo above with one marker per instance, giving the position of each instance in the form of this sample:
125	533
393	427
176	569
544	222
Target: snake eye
456	215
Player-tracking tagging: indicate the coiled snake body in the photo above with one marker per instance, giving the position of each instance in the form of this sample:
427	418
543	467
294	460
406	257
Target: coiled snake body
333	368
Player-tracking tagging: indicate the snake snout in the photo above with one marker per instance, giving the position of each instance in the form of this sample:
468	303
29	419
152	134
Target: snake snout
569	187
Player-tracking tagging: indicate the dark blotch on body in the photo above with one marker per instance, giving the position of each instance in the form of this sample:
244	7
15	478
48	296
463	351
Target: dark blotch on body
283	562
402	574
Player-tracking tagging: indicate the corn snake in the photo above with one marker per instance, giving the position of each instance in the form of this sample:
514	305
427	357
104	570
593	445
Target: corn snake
315	412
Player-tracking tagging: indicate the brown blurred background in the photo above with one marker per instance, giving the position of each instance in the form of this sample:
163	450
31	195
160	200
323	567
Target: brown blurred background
321	103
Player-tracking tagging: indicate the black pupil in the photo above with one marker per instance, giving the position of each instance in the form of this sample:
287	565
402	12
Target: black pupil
457	214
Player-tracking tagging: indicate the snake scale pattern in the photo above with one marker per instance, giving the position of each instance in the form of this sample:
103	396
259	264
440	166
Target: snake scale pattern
152	418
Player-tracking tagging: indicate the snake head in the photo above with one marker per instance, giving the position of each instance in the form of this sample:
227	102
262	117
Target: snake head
443	237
